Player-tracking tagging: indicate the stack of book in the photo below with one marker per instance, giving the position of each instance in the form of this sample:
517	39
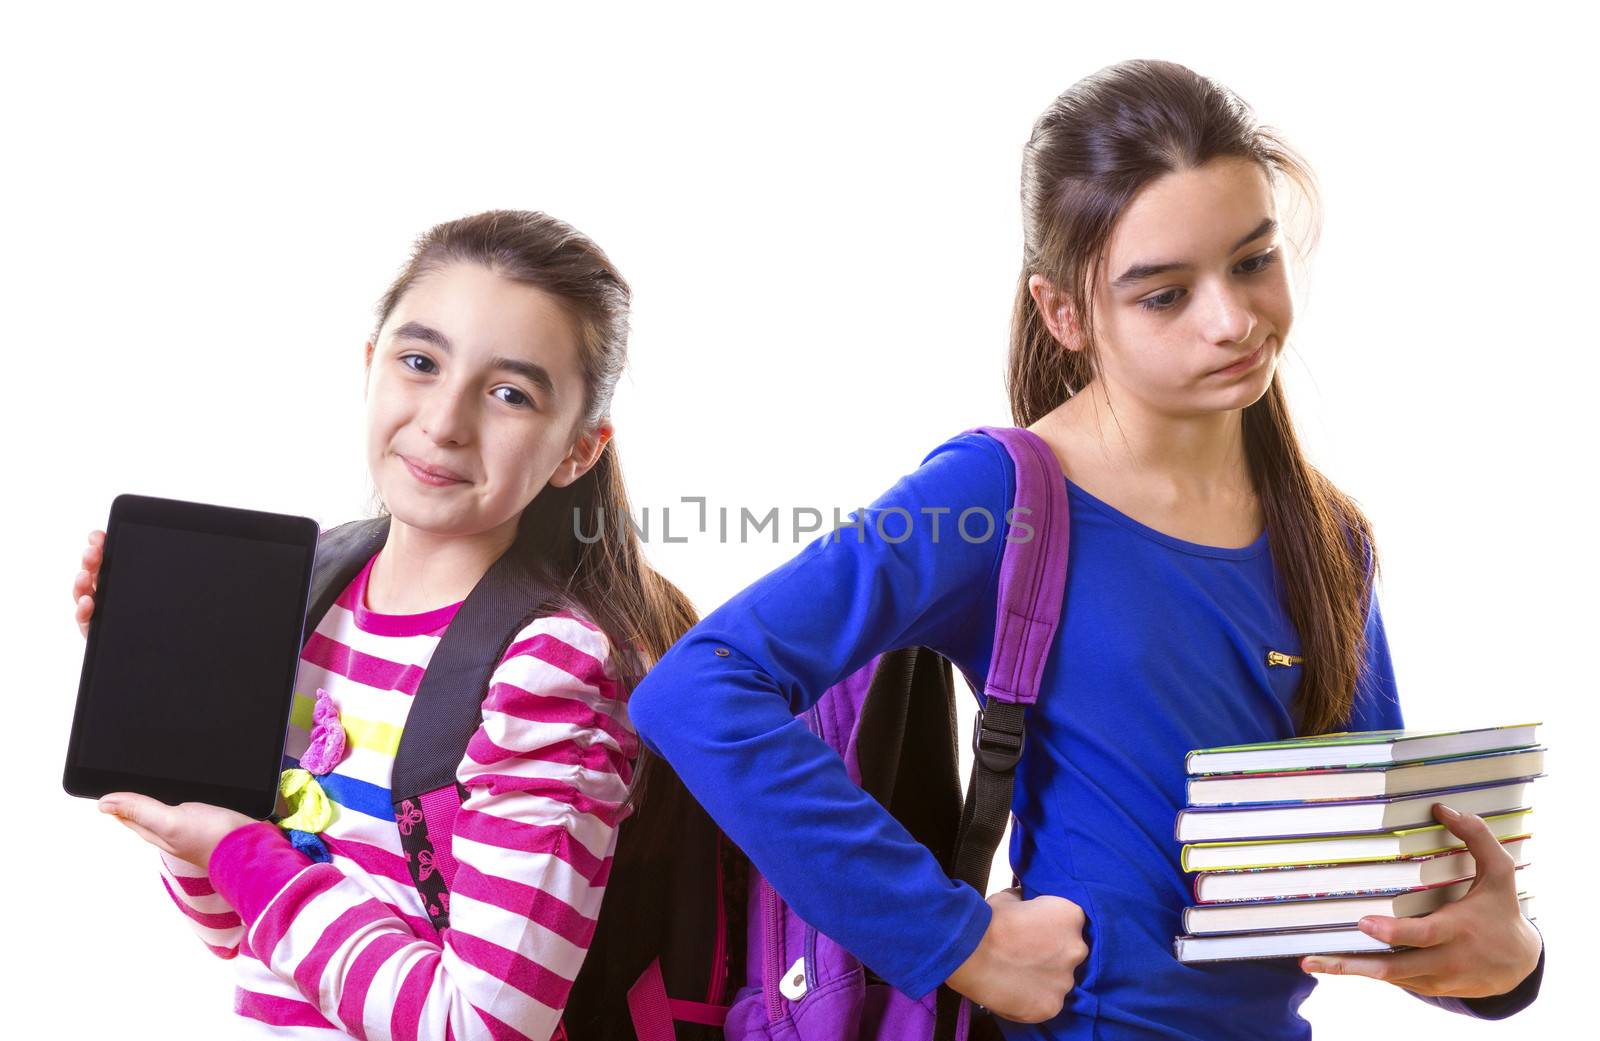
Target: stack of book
1296	841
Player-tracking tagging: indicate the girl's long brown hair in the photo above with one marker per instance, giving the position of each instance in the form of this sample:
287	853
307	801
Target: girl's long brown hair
607	579
1089	154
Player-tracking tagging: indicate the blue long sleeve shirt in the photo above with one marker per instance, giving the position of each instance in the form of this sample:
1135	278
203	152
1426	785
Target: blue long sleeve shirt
1163	648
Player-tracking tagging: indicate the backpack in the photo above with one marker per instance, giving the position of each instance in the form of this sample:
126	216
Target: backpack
668	915
893	722
681	920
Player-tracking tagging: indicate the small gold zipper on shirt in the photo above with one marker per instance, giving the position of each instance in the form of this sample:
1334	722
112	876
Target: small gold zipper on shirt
1279	658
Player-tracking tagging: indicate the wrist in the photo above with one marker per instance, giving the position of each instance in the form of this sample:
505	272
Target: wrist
251	864
1532	943
979	964
1510	974
973	968
1507	1003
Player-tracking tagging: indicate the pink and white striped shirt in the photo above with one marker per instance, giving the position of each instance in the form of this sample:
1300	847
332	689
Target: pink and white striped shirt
344	947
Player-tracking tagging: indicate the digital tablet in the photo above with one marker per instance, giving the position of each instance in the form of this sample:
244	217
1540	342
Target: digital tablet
189	669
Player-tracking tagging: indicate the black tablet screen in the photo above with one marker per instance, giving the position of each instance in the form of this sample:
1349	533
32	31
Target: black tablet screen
192	672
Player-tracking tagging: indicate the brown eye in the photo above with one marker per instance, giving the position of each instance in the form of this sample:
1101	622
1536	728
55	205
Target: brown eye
425	366
513	396
1262	261
1161	301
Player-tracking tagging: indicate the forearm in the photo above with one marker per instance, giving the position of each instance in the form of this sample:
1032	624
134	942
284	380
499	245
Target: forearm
840	860
365	969
532	843
721	707
209	914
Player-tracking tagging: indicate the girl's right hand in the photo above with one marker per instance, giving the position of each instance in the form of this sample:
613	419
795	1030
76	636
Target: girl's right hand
1028	958
83	587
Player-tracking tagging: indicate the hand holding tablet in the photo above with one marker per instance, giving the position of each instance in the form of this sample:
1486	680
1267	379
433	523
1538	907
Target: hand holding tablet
190	664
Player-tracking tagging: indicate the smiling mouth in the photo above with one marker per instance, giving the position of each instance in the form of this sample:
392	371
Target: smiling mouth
431	474
1243	363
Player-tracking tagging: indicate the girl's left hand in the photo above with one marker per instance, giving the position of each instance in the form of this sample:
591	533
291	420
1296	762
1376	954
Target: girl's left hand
1474	947
188	831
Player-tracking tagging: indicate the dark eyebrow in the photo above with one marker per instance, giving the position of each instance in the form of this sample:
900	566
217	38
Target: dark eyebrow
535	374
426	333
1140	272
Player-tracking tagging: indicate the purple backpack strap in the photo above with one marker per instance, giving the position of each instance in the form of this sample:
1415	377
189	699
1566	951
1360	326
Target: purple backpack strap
1033	579
1033	571
892	722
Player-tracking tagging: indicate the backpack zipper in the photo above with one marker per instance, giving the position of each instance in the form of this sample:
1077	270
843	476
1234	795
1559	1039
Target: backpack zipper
772	910
809	949
1281	659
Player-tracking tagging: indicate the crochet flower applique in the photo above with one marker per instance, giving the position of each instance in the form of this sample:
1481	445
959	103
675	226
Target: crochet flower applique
310	812
327	743
310	809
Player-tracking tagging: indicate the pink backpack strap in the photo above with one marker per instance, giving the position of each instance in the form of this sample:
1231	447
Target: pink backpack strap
653	1013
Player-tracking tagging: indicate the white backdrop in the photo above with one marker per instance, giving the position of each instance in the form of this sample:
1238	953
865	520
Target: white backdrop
818	211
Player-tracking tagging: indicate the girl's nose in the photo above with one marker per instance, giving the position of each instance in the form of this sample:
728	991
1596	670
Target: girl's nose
1229	318
446	415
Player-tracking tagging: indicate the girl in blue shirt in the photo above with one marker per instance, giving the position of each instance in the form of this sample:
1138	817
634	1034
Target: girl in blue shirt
1219	591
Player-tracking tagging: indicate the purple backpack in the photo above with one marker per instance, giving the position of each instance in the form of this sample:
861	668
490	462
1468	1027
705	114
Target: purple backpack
893	723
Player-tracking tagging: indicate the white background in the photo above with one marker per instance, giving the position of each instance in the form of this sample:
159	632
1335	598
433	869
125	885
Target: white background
818	211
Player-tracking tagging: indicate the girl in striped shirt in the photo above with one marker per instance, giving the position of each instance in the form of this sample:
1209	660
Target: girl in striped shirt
488	387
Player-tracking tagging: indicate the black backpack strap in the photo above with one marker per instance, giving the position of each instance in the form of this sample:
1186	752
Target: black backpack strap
448	705
996	750
446	711
341	554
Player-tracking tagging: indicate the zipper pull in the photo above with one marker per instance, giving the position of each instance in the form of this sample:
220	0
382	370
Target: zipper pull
793	984
1281	659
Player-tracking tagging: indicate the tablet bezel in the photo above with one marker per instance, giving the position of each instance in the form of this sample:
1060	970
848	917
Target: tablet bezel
89	782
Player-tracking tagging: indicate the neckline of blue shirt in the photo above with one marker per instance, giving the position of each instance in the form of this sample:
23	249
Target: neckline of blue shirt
1082	498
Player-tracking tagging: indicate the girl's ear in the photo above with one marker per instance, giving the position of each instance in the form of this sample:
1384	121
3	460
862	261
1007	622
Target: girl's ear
1057	312
584	454
366	370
